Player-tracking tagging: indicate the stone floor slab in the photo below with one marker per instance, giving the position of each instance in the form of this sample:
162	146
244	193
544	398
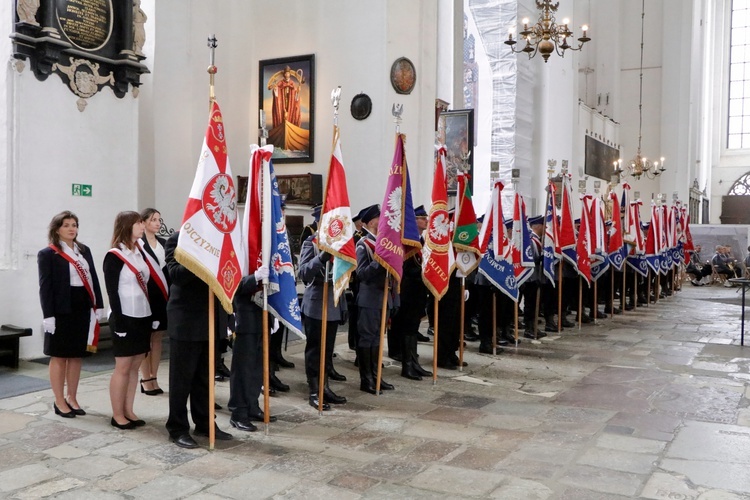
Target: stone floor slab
455	481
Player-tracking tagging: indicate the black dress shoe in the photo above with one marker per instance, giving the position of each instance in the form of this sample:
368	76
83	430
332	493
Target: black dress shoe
78	411
566	323
454	359
313	401
423	338
217	406
184	441
550	327
243	425
530	335
221	369
218	434
629	307
471	337
70	414
129	425
446	365
331	397
283	363
334	375
502	342
484	349
278	384
385	386
258	417
137	422
431	331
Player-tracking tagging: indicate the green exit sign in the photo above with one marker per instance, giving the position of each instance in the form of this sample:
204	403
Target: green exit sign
81	189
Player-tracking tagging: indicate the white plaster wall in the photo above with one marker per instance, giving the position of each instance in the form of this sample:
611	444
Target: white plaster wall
56	146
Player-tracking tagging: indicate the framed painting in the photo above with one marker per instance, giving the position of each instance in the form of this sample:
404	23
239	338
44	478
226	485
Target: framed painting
301	189
287	99
600	158
456	131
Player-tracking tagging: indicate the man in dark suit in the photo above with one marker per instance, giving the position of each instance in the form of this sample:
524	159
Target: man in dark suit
371	276
187	317
312	228
312	271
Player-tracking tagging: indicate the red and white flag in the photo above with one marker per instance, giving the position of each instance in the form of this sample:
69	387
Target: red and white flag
437	257
336	233
584	245
210	243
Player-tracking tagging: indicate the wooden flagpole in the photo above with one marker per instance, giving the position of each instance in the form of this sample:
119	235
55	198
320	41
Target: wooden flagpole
648	288
536	312
580	302
211	369
383	317
559	296
595	305
322	350
461	330
266	377
635	290
624	286
515	319
211	314
612	293
435	324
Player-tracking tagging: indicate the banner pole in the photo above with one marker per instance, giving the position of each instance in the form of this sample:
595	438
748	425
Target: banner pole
580	302
515	319
612	293
323	349
536	311
383	316
595	305
435	324
559	297
211	368
648	288
461	330
624	286
635	290
266	377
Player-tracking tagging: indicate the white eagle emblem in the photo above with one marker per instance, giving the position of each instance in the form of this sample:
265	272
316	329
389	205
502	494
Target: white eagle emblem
394	209
439	227
223	206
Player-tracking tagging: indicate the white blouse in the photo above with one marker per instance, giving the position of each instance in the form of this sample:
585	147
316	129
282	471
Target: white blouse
133	301
161	257
75	253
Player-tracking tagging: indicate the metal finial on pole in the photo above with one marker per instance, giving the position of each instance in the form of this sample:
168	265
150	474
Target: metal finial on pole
396	111
211	66
335	100
551	168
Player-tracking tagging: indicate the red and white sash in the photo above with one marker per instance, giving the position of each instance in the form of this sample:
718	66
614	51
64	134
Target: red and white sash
156	272
93	336
138	275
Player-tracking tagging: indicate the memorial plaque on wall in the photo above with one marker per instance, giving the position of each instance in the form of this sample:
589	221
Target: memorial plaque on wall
86	23
90	44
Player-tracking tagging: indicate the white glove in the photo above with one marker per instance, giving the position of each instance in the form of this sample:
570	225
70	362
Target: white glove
48	324
466	295
154	325
261	273
101	315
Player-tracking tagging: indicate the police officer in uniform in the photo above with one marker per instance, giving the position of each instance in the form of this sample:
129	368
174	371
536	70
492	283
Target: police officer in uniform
312	271
371	276
405	323
311	229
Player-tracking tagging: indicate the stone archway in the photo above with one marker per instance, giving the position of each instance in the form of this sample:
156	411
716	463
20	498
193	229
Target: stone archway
735	206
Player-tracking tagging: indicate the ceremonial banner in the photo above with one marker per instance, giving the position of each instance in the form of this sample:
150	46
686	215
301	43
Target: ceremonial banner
267	240
583	245
598	256
398	235
336	232
652	241
567	225
637	260
210	241
436	255
466	233
551	251
520	243
618	251
497	264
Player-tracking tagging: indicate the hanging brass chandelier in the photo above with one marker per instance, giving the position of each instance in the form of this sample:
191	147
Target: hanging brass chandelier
546	36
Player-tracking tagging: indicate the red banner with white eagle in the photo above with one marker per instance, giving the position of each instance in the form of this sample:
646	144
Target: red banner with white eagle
209	243
437	255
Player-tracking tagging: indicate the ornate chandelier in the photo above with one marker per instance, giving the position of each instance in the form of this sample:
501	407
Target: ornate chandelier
546	36
641	165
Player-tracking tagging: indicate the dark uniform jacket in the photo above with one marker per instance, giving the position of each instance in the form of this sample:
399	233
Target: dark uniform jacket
312	273
54	281
371	276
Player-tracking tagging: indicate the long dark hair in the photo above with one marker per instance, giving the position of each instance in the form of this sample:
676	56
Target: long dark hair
123	232
56	223
146	213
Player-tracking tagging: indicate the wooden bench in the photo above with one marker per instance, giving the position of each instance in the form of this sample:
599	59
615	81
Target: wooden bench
9	344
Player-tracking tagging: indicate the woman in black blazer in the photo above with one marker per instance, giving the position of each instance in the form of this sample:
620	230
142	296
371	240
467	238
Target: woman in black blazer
71	304
158	293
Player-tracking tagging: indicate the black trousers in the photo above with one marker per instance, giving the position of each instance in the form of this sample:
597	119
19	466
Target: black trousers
313	328
503	312
188	378
368	327
247	375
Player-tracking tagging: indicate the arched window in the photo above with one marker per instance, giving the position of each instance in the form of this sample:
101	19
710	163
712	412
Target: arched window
741	187
738	132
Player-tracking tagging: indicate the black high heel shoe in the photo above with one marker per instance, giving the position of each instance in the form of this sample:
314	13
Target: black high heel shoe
150	392
129	425
70	414
78	411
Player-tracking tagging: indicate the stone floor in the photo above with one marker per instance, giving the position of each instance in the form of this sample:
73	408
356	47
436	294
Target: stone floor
652	404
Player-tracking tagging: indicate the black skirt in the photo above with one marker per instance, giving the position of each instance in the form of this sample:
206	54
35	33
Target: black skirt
71	330
130	336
